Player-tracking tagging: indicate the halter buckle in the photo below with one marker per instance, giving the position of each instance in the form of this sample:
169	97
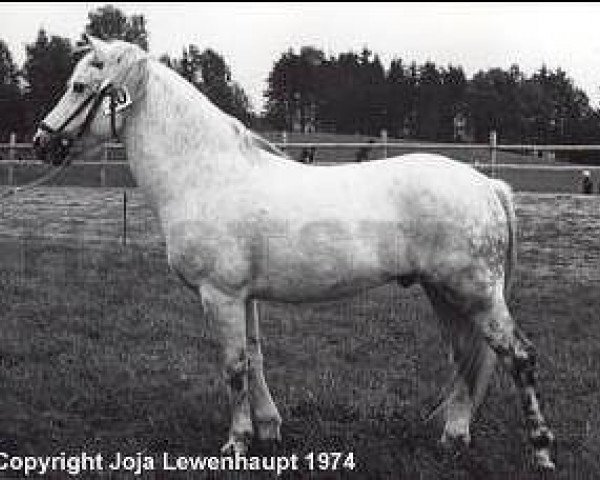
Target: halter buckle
120	99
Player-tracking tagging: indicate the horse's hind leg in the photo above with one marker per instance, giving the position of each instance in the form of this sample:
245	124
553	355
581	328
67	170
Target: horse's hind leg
266	418
518	356
475	362
468	391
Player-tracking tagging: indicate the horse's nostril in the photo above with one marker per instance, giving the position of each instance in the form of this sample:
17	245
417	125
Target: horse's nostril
39	139
41	145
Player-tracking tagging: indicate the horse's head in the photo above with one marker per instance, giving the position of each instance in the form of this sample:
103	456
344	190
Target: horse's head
105	82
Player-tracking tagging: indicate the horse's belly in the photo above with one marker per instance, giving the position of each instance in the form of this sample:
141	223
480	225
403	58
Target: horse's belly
314	287
325	268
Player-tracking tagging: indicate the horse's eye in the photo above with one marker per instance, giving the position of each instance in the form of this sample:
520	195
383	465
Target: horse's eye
78	87
98	64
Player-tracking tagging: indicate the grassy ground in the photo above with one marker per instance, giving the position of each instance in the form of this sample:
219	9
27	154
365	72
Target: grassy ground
103	350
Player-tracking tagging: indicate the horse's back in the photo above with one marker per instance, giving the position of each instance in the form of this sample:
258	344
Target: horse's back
372	185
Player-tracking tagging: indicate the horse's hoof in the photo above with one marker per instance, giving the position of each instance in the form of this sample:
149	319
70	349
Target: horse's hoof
235	446
458	441
543	461
456	434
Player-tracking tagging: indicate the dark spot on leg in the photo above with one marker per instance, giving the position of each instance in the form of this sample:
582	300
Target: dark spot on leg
237	373
406	281
542	438
237	382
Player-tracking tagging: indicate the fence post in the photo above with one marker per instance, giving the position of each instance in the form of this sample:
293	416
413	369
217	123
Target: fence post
11	157
384	140
12	143
124	217
493	150
102	167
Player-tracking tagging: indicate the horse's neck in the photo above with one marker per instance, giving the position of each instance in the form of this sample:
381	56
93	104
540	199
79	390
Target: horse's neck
178	142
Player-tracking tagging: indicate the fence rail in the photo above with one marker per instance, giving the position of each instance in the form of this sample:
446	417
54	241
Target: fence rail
14	149
553	177
13	154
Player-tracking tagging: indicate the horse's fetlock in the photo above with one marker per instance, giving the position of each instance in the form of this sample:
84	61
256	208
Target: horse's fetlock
238	366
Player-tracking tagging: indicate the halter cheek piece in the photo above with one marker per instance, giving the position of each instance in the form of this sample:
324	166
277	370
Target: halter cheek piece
95	98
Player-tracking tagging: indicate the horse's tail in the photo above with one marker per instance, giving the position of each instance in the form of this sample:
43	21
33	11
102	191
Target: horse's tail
504	193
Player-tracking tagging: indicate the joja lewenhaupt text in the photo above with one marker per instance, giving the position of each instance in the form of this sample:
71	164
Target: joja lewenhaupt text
138	463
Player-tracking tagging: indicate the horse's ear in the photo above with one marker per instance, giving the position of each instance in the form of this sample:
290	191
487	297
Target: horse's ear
81	49
82	46
99	46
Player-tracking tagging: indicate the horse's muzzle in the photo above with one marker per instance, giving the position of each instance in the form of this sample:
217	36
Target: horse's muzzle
51	148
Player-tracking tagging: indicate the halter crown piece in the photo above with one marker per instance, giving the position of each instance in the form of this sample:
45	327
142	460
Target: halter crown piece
110	88
105	90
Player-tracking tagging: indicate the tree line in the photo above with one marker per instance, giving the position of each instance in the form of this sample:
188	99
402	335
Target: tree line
351	92
28	93
354	93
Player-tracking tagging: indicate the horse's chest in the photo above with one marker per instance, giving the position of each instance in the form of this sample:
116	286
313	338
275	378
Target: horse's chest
202	254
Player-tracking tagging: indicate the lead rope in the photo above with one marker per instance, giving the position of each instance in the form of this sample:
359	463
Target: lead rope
55	172
38	181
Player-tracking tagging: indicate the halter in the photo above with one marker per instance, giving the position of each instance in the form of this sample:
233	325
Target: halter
105	90
95	98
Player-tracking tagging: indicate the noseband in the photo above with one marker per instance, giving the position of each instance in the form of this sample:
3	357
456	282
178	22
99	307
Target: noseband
95	98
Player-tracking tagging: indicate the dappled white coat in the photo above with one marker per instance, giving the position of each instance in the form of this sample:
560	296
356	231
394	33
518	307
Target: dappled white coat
257	225
242	223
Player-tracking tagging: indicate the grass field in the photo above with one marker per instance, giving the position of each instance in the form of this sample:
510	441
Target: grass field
103	350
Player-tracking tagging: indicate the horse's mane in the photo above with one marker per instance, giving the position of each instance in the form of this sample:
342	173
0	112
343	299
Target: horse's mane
250	139
247	139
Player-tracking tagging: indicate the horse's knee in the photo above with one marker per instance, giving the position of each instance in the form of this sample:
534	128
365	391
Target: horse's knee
498	329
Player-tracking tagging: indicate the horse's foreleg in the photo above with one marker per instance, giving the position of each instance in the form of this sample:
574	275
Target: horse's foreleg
230	321
518	355
267	420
